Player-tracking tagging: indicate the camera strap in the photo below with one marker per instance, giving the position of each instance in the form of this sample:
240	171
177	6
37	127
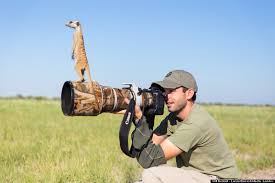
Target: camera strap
125	129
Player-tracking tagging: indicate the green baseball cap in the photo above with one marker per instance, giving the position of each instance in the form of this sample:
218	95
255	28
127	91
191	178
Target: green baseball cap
178	78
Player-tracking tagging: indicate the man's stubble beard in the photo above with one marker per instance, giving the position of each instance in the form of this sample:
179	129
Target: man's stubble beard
179	108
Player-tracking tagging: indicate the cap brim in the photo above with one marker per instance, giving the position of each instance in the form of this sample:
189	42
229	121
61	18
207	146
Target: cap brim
167	84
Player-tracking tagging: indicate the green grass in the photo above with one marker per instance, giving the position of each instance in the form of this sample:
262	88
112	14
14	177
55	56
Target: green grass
250	132
39	144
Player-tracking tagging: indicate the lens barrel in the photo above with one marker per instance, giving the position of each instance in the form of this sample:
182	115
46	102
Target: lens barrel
91	99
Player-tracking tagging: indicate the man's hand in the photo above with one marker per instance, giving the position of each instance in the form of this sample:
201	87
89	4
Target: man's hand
138	112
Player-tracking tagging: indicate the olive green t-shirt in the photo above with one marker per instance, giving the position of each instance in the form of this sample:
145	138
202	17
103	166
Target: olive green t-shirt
202	141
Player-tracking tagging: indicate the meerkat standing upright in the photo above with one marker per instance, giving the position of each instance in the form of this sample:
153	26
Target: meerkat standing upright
78	51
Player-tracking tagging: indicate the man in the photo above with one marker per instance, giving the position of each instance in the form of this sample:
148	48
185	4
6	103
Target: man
188	133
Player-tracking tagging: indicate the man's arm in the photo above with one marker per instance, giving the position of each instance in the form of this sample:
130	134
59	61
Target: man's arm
153	149
149	153
157	139
169	149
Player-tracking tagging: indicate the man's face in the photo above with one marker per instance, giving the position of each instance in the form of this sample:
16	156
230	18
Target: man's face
175	99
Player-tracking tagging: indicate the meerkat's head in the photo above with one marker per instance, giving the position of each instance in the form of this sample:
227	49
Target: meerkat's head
73	24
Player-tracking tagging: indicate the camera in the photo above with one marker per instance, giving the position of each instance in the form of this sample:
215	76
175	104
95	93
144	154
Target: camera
92	99
156	107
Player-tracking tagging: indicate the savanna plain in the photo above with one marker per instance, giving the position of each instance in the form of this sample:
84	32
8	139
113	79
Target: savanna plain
39	144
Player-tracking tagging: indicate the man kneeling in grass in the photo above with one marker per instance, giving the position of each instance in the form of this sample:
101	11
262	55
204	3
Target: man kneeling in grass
188	133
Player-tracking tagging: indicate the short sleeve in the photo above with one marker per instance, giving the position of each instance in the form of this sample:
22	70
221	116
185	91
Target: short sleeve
186	136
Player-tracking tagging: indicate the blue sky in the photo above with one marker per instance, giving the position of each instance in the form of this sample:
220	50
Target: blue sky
229	46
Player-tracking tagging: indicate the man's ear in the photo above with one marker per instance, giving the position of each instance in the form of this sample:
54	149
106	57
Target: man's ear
189	94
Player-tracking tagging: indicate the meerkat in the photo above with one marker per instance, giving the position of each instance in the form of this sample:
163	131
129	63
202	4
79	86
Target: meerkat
78	51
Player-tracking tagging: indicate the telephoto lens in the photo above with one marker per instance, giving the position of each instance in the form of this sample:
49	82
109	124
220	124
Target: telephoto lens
92	99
